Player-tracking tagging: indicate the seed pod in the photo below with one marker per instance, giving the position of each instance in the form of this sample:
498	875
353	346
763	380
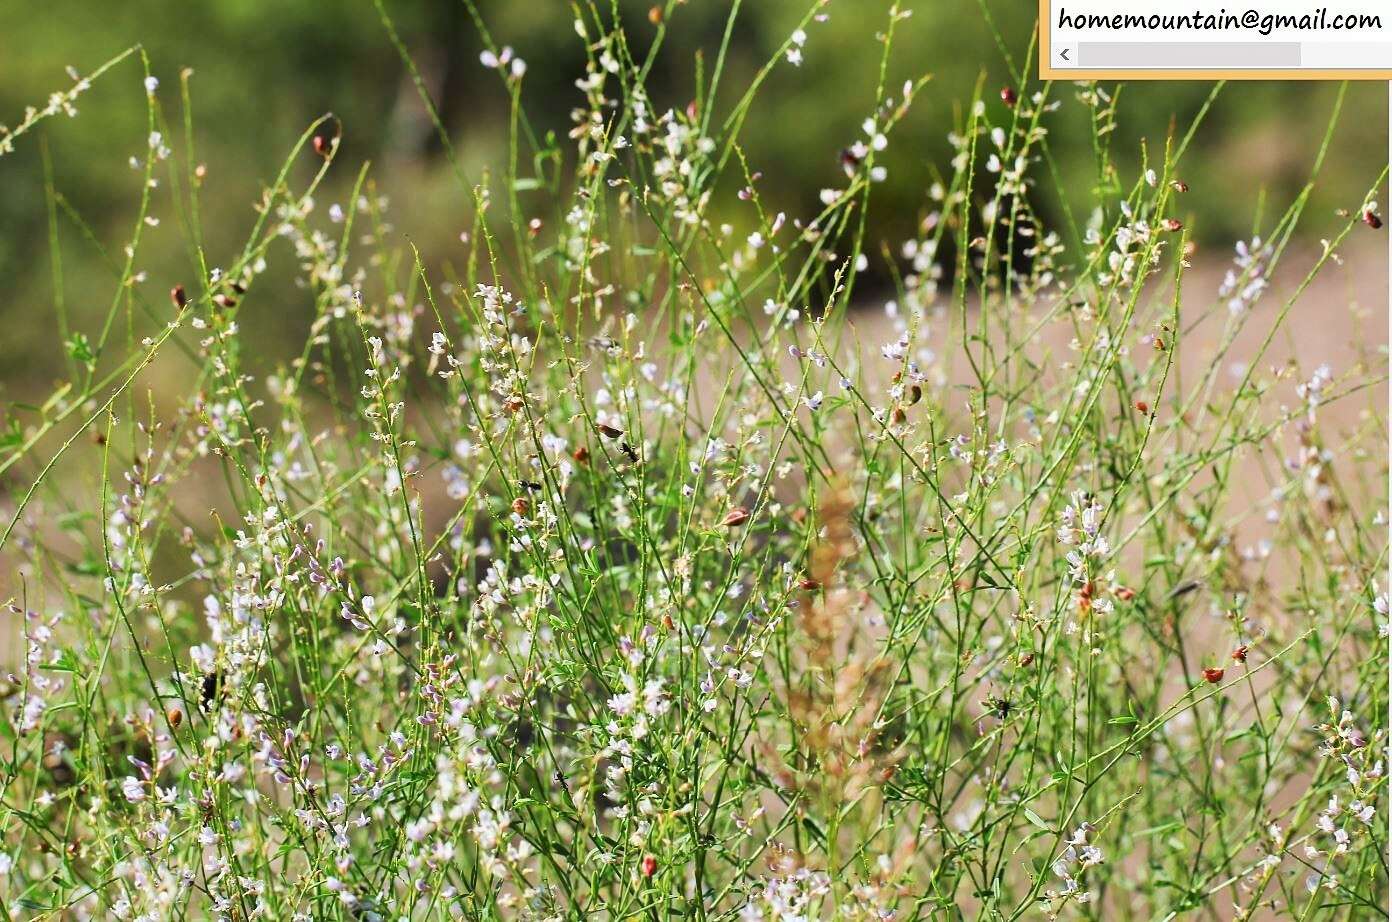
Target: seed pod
520	505
649	865
1179	185
1008	96
322	145
735	517
1213	675
177	295
849	162
175	715
1371	219
808	584
1125	593
1171	225
609	432
1184	588
1027	659
225	301
1142	406
915	394
655	15
581	455
1240	654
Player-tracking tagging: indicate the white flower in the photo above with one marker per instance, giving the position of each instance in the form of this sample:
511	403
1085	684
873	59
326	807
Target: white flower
151	84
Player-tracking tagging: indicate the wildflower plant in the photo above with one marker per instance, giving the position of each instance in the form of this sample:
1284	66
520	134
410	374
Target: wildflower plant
602	569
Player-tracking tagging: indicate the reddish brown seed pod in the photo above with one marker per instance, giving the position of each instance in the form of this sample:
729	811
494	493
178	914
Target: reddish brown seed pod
1240	654
1213	675
177	295
649	865
520	505
1179	185
222	300
322	145
1125	593
1008	96
175	715
1142	406
1027	659
581	455
1171	225
735	517
609	432
1371	219
808	584
849	161
655	15
915	394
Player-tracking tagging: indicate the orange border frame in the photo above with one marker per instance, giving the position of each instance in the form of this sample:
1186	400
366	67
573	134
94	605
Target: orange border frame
1048	72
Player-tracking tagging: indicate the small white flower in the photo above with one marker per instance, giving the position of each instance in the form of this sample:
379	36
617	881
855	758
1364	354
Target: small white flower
151	85
133	789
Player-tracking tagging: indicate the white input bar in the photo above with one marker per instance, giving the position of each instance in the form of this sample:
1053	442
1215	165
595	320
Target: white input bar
1188	55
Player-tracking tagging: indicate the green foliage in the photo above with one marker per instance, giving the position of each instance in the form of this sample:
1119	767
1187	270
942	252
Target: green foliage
614	563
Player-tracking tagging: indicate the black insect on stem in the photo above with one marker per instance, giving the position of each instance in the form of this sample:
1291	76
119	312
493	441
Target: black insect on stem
209	690
999	706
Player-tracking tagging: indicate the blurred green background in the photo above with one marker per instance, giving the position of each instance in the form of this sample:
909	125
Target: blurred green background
263	69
